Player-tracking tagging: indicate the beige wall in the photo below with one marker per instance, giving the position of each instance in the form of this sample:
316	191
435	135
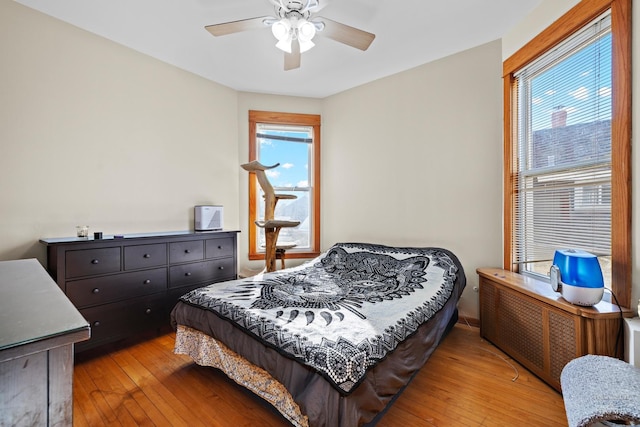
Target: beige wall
95	133
540	18
415	159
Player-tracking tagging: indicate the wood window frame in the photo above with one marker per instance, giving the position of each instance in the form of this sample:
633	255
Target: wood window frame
293	119
621	119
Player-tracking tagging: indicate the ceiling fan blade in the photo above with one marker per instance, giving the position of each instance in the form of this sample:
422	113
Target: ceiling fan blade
237	26
345	34
292	60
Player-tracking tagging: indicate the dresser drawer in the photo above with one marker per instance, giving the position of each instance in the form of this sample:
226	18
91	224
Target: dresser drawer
219	248
100	290
201	272
144	256
224	269
90	262
186	251
118	320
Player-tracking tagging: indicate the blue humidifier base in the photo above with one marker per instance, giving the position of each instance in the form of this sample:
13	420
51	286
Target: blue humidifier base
579	295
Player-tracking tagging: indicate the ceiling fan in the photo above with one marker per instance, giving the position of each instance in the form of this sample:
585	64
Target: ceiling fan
295	26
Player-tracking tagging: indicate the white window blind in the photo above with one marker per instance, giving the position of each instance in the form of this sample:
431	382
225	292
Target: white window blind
563	183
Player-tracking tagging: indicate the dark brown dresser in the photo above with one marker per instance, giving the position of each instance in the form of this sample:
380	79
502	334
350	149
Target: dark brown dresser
128	284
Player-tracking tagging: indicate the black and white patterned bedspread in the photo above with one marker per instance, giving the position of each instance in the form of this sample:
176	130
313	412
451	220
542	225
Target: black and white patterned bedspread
341	313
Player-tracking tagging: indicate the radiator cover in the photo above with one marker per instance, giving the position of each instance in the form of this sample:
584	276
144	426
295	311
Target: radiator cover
538	328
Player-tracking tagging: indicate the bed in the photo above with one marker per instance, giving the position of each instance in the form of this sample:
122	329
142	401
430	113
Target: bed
331	342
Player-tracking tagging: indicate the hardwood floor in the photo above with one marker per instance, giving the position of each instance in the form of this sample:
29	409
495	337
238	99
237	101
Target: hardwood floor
467	382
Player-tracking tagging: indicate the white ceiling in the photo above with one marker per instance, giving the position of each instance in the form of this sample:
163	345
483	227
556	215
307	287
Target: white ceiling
408	33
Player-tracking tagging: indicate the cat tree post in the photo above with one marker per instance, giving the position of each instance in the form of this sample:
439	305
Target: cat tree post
270	225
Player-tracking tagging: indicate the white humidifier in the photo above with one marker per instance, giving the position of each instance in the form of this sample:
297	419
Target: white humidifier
577	276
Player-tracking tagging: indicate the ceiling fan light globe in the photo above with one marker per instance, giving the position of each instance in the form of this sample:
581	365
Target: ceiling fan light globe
281	30
306	31
284	45
305	45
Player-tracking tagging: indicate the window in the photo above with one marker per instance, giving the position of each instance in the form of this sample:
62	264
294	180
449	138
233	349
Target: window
293	141
567	144
563	180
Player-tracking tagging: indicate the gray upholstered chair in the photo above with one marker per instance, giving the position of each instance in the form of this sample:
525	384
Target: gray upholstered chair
600	390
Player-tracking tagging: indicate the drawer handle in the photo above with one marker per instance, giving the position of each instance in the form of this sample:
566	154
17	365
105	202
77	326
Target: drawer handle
146	282
94	261
146	256
96	323
221	267
219	247
187	274
96	290
147	311
187	251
